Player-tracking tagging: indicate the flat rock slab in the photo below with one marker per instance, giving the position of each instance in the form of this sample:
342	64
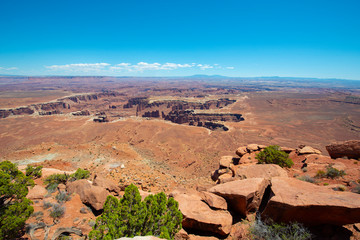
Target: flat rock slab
259	171
295	200
243	196
199	216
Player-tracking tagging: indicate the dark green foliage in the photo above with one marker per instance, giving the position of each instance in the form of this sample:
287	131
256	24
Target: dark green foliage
129	217
80	174
270	230
273	155
330	173
34	172
15	208
56	179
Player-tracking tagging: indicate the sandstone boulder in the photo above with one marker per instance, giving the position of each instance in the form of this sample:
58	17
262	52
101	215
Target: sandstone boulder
241	151
252	147
197	215
37	192
89	194
308	150
108	184
287	149
294	200
225	161
259	171
214	201
350	149
243	196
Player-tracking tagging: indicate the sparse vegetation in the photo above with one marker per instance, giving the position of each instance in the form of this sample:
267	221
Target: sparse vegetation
129	217
57	211
34	172
47	205
53	180
340	188
261	230
273	155
15	208
356	189
62	197
330	173
307	178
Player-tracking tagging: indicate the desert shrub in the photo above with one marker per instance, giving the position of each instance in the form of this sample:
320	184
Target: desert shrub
334	173
80	174
15	208
330	173
64	178
34	172
356	188
57	211
320	174
62	197
129	216
326	184
51	187
307	178
273	154
261	230
57	179
47	205
304	169
340	188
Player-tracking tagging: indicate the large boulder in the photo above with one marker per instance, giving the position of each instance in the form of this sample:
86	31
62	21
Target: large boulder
252	147
37	192
108	184
197	215
225	161
89	194
350	149
259	171
294	200
243	196
241	151
214	201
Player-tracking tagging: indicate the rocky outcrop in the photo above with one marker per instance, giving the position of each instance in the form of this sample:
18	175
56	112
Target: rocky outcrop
308	150
81	113
37	192
349	149
94	196
107	184
198	215
267	171
293	200
243	196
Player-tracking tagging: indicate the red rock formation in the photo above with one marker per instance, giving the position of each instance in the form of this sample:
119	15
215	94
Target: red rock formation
350	149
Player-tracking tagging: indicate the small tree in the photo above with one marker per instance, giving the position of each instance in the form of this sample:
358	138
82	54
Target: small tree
130	216
273	155
15	208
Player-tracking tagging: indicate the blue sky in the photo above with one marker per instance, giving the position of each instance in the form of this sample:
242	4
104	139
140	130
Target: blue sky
179	38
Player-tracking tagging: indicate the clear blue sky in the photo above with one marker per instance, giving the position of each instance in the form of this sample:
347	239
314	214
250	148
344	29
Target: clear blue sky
317	38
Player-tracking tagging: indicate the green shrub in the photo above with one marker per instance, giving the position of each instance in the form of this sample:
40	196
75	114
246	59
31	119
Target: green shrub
15	208
80	174
34	172
330	173
57	179
64	178
129	216
261	230
273	155
334	173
